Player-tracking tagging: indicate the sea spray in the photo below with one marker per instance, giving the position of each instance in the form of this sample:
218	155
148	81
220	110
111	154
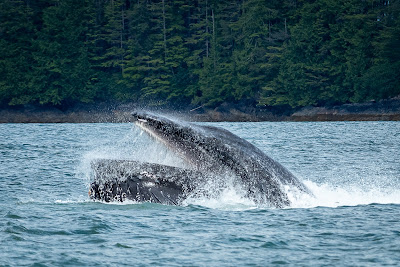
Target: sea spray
328	195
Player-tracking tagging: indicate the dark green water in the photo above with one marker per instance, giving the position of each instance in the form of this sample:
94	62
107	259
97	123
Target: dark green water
353	168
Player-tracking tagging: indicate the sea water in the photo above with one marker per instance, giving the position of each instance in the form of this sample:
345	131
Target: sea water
352	168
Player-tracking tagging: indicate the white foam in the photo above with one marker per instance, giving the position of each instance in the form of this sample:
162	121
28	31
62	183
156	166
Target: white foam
324	195
125	202
78	200
228	199
327	195
71	201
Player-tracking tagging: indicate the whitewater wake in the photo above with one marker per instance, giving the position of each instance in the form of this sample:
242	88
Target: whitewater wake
325	195
328	195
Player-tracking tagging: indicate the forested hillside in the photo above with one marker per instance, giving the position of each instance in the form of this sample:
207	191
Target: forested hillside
199	52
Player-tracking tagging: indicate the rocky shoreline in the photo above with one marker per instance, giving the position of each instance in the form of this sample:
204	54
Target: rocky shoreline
384	110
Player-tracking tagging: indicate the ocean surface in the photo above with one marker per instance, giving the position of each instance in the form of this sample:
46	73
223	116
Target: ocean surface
353	169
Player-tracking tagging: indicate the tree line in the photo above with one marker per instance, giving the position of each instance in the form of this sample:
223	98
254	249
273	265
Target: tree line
199	52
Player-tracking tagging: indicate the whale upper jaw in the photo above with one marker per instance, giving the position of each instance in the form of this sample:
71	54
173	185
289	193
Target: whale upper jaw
187	140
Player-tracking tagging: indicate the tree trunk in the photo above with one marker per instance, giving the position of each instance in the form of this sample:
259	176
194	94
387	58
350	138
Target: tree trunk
286	31
207	42
214	39
121	37
164	33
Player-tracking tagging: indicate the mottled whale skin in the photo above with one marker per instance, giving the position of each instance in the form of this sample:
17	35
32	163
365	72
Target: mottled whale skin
209	152
119	180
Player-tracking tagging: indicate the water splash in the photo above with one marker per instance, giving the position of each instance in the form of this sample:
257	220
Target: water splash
136	145
228	199
325	195
328	195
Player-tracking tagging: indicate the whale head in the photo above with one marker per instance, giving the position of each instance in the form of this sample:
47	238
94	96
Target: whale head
218	152
193	143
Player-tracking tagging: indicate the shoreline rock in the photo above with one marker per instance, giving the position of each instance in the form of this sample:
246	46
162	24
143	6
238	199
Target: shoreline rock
384	110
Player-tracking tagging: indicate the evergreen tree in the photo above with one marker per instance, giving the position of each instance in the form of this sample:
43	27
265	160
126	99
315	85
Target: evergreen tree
217	77
198	43
157	76
16	70
63	72
155	62
382	79
329	52
260	33
138	45
176	50
199	52
114	36
111	38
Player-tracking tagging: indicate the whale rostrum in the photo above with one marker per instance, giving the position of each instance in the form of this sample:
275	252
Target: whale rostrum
210	153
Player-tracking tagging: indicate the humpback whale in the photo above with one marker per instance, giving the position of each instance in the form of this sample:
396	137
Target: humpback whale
210	153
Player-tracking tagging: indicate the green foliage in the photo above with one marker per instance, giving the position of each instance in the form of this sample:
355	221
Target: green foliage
199	52
338	52
16	35
62	71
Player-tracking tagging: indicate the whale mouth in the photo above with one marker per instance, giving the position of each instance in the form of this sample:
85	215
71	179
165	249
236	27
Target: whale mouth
145	117
178	137
209	151
144	126
149	124
155	130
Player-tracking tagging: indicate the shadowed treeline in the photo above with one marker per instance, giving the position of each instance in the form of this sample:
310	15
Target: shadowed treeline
198	53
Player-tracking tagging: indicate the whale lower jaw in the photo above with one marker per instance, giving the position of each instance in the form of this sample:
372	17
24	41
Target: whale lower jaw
116	180
120	180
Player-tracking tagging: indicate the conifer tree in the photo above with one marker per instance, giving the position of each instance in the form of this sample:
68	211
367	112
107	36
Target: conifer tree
382	79
199	52
63	70
260	33
16	70
198	43
138	45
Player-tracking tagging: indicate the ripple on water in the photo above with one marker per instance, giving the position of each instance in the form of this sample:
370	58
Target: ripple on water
274	244
13	216
118	245
20	229
48	220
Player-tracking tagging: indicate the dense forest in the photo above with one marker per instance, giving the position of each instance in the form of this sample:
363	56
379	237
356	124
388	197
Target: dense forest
189	53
